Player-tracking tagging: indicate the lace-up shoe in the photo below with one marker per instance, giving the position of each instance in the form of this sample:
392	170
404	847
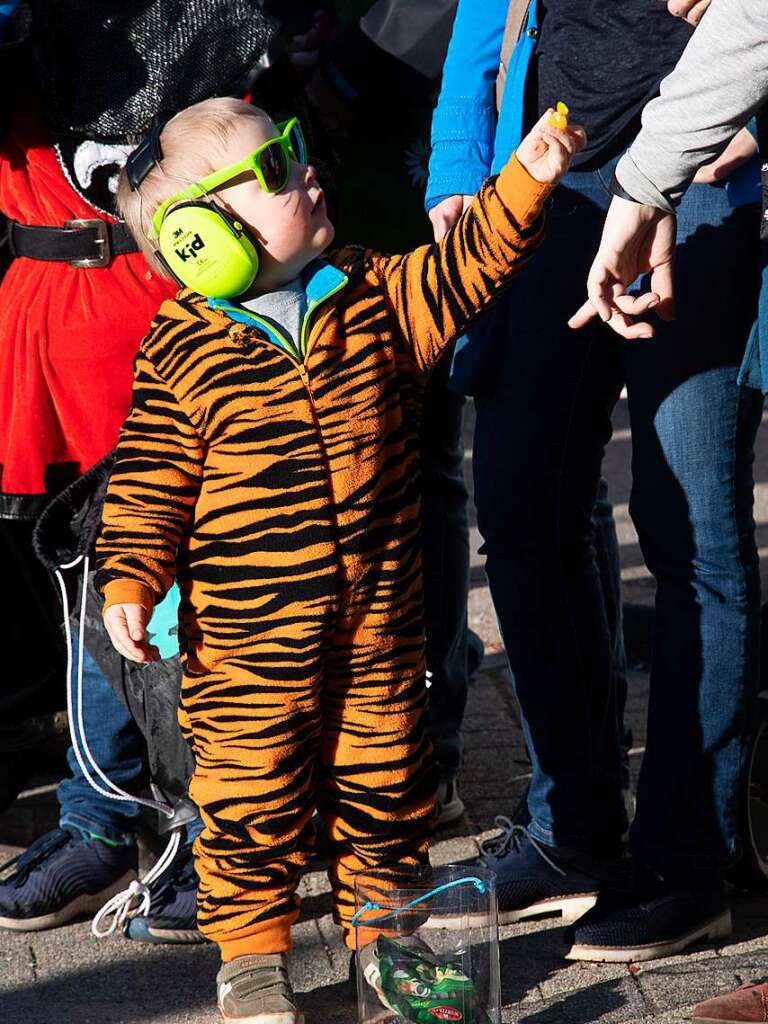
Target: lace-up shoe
532	880
656	917
255	990
172	915
62	875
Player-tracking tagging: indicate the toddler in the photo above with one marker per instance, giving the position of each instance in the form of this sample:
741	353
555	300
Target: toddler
269	464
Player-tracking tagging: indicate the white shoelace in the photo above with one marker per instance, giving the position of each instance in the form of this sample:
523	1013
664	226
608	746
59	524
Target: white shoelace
121	905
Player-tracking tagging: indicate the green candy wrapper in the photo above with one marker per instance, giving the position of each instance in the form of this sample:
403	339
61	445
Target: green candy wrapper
425	988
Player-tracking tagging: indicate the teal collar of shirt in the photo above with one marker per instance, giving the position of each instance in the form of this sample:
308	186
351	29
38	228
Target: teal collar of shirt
321	281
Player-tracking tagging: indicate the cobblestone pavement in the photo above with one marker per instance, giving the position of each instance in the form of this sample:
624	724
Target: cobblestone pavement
67	977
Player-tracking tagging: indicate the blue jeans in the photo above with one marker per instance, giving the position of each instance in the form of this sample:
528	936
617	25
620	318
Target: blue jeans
445	554
118	748
544	399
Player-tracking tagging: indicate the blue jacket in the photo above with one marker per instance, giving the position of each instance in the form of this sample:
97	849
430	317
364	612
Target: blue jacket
468	142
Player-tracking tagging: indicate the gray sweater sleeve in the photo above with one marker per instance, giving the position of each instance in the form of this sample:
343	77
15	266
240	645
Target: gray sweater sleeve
718	84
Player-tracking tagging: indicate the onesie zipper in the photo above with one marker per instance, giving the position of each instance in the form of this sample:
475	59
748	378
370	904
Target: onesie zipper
303	339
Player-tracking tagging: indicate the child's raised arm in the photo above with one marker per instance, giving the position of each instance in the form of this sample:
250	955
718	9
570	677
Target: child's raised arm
152	492
437	290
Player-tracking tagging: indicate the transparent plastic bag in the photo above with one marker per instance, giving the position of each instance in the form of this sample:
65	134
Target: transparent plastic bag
427	946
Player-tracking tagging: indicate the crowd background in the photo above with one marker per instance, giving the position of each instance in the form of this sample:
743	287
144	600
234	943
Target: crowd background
368	95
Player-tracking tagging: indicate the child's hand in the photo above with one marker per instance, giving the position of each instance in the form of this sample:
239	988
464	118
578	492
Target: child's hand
126	624
546	152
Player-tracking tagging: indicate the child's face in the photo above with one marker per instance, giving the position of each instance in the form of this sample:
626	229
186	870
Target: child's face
291	227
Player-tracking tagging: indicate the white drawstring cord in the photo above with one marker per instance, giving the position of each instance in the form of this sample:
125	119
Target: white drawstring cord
77	725
121	905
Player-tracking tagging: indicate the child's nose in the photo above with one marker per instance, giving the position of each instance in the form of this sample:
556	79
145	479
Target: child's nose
310	175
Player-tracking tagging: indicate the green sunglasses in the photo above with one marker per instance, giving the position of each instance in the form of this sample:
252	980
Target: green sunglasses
270	163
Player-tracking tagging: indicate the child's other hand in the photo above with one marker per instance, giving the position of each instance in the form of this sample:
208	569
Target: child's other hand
546	152
126	625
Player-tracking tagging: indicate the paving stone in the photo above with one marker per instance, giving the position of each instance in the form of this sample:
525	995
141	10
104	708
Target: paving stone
309	961
18	966
685	983
337	953
615	1001
454	851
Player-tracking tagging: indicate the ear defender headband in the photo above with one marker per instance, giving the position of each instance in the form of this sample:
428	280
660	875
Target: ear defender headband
200	244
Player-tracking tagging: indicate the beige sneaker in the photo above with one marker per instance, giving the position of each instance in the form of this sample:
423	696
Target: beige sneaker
255	990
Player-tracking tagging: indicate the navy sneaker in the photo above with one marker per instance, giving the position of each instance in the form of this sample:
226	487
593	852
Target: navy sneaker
63	875
655	918
532	880
172	915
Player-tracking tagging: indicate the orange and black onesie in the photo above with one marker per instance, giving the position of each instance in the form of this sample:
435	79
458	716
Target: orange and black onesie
282	491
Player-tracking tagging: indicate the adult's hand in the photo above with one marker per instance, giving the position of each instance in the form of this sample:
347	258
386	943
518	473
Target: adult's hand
636	240
692	10
445	214
739	150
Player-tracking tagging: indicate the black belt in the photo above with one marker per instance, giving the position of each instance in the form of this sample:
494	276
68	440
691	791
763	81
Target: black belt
81	243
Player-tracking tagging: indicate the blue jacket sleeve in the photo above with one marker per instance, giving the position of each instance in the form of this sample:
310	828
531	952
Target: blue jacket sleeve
464	121
7	7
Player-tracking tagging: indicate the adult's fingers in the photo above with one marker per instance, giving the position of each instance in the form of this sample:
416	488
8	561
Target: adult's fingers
439	225
697	12
446	214
600	289
582	316
692	10
636	305
663	285
620	322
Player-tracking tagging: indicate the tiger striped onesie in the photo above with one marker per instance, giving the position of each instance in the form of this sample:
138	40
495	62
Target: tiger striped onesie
283	494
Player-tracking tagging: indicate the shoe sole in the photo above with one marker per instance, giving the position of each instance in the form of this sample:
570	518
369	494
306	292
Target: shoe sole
80	907
264	1018
160	936
570	909
719	927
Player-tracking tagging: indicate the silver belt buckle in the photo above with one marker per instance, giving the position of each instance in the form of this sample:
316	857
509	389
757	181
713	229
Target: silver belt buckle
101	240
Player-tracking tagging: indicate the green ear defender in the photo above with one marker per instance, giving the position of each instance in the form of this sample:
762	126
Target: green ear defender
208	250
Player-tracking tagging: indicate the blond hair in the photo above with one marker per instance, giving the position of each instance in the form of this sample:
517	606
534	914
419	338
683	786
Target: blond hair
193	144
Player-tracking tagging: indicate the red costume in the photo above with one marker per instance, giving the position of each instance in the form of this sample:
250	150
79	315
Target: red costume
69	334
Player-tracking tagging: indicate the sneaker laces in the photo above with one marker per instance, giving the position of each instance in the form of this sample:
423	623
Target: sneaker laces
35	854
123	905
510	838
178	877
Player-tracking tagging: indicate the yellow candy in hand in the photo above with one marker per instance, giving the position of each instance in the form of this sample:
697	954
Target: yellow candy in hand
559	117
